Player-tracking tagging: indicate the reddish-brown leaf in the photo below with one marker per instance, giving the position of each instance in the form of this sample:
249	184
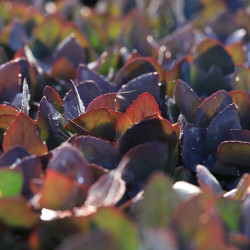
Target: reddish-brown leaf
23	131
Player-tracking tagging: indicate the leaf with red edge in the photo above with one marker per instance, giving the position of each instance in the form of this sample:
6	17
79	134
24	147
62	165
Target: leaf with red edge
107	191
98	151
60	192
63	69
143	107
86	74
6	120
70	48
148	131
5	109
241	99
211	106
234	153
138	67
241	80
87	90
69	161
109	101
98	122
51	124
15	213
53	97
237	52
23	131
9	80
186	100
219	127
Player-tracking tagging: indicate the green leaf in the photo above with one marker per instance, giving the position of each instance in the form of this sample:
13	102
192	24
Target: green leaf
115	223
11	182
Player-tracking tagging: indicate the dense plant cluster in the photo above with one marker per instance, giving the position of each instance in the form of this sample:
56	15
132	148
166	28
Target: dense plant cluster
125	126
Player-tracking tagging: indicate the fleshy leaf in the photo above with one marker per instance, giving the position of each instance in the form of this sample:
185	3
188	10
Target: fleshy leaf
63	69
237	52
138	67
242	187
194	148
31	168
159	202
12	154
60	192
145	83
107	191
211	106
214	55
219	127
9	80
186	100
98	151
85	74
143	107
241	81
148	131
53	97
116	224
98	122
11	182
235	153
71	49
144	159
202	226
239	135
87	91
109	101
207	181
5	109
51	124
230	213
23	131
241	99
69	161
15	213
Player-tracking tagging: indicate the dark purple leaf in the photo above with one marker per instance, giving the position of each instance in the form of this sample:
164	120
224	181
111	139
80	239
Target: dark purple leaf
11	155
194	146
9	80
145	83
239	135
245	218
31	168
144	159
98	151
87	90
148	131
53	98
71	49
51	125
186	100
219	127
85	74
69	161
211	106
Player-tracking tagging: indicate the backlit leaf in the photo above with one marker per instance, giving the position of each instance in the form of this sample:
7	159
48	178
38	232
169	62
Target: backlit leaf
23	131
